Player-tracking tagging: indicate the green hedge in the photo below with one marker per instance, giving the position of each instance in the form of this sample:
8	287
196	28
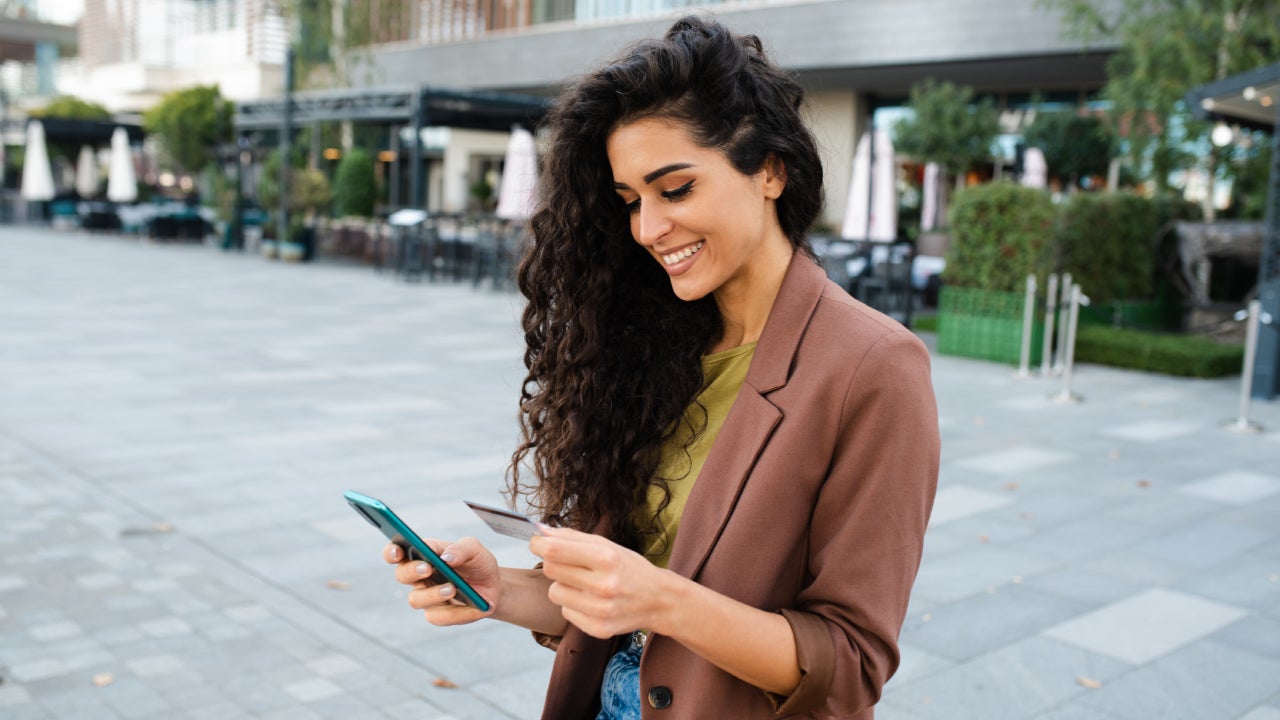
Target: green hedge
1000	233
1182	355
1107	241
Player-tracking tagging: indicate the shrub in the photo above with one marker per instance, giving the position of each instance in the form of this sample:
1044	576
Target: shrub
1108	241
355	185
1182	355
1000	233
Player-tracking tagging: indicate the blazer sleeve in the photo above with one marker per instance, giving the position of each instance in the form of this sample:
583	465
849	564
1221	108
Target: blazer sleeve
867	532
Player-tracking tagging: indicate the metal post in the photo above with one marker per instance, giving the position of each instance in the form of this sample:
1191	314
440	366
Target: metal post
393	192
1050	314
286	115
1062	326
416	179
1028	322
237	222
1065	395
1255	317
1266	370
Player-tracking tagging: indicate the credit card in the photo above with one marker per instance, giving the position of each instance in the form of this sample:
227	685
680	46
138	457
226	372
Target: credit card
505	522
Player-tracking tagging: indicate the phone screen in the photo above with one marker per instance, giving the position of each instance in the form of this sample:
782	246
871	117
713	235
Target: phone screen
398	532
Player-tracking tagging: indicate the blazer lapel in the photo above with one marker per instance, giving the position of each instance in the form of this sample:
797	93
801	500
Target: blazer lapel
751	420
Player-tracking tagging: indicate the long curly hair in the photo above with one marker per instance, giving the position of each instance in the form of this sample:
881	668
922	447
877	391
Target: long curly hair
613	355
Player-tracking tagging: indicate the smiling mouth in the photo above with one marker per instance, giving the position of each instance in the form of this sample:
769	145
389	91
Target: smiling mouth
679	255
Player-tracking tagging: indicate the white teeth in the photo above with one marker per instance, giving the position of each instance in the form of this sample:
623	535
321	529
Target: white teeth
676	257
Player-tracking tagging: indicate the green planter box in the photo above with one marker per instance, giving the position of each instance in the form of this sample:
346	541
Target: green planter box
985	324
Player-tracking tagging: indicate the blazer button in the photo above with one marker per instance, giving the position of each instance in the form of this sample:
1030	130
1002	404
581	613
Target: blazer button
660	697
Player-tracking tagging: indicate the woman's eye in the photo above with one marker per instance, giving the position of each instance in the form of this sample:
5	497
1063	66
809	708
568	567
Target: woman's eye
678	193
633	207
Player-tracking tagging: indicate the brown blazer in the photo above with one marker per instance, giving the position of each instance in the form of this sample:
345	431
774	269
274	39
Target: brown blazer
813	503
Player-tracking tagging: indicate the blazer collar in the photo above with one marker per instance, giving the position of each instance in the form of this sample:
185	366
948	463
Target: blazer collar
751	421
797	297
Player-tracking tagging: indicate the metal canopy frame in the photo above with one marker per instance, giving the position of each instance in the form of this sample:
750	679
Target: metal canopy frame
86	132
394	105
1252	99
417	107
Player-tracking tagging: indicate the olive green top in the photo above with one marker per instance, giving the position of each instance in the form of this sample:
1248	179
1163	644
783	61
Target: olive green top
685	452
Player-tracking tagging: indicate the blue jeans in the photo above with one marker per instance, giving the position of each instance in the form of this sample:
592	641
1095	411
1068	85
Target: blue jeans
620	691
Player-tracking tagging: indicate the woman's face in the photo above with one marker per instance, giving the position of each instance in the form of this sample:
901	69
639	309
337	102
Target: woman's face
710	227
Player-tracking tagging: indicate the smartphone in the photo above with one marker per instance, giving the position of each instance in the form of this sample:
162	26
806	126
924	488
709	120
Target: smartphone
381	517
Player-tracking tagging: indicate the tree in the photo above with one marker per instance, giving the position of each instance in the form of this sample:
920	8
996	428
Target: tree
72	108
1074	146
948	128
1168	47
190	125
356	184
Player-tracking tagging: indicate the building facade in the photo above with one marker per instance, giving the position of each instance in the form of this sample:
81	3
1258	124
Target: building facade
132	52
854	57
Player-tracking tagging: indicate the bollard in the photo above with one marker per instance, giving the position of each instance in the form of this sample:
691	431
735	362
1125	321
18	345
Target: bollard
1255	317
1028	320
1062	326
1050	313
1065	396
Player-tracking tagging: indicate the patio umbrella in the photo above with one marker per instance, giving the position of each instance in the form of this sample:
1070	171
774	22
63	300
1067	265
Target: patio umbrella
517	191
1035	171
931	209
122	182
872	210
87	172
37	177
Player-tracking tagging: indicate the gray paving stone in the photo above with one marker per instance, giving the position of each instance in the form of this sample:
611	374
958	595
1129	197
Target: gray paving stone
11	695
1017	681
1204	680
1236	487
970	573
1262	712
990	620
957	501
1146	626
1204	544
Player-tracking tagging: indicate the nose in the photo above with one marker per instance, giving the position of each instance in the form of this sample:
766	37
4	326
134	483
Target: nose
650	224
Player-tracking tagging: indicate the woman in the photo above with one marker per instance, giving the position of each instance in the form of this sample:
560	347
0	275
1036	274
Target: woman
735	460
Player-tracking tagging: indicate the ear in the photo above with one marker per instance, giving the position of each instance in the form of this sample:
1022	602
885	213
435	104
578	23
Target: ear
775	177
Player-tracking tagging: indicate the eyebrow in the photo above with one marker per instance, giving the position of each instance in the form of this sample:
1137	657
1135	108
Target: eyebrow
664	170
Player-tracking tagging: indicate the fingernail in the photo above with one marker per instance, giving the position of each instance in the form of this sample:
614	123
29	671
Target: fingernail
446	589
545	528
448	557
423	569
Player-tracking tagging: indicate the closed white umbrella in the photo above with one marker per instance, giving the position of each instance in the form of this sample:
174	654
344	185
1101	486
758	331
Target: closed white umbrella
931	210
518	189
1035	171
872	210
87	175
37	177
122	181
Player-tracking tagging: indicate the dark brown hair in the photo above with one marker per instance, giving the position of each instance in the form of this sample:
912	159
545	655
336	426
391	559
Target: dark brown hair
613	355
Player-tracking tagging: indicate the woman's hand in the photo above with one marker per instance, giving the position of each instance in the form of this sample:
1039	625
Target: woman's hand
602	588
438	600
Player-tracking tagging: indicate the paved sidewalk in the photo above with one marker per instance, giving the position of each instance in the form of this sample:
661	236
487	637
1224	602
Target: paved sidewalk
177	425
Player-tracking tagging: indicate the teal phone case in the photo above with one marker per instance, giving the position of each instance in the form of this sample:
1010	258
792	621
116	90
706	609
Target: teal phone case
395	529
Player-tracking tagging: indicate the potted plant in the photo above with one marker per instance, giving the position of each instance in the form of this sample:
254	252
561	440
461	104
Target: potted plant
308	194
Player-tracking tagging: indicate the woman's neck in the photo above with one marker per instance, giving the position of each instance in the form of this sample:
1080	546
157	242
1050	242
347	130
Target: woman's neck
745	301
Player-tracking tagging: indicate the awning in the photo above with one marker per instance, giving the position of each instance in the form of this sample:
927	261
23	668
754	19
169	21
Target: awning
1250	99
